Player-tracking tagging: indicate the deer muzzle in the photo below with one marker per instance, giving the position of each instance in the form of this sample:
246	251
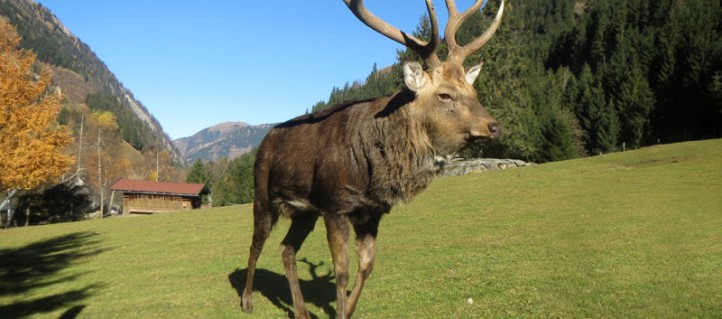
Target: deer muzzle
491	130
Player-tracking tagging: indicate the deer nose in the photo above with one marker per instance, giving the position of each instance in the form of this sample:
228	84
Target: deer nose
494	129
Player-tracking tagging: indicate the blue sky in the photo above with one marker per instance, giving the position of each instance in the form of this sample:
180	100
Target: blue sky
194	64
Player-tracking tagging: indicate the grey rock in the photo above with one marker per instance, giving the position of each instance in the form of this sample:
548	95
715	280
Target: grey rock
462	167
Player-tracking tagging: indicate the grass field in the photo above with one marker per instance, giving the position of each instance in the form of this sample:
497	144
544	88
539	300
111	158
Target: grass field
625	235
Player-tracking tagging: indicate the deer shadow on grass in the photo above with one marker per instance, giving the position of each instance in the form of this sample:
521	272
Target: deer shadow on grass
25	271
320	290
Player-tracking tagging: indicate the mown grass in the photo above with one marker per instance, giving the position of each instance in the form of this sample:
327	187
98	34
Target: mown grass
625	235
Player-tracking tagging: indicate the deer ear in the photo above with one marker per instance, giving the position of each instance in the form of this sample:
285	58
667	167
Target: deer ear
414	76
473	73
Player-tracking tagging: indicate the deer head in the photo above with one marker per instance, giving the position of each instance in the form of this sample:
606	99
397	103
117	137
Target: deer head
446	101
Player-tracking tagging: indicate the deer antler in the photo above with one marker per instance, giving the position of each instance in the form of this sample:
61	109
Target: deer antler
456	52
427	50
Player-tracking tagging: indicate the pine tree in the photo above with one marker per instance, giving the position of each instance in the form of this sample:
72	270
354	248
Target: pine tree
597	117
198	173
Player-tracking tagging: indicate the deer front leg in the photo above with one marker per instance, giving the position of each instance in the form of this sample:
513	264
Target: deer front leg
366	243
337	233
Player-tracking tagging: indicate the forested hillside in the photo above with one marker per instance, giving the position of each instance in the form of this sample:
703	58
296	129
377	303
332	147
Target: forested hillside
570	78
83	77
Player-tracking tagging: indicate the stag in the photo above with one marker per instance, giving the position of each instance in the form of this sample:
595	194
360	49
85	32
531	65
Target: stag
351	163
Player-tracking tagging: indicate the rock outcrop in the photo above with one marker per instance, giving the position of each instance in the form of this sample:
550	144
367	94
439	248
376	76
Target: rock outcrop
462	167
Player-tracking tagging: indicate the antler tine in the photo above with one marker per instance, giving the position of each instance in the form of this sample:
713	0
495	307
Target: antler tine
457	53
455	22
433	60
427	50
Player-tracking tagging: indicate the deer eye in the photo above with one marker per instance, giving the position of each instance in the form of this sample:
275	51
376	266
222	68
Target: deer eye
445	97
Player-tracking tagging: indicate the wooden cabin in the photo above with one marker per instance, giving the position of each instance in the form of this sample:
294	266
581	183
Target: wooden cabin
148	197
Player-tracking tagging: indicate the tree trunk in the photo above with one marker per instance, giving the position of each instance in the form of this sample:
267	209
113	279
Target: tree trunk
27	216
6	204
11	214
110	204
100	177
80	144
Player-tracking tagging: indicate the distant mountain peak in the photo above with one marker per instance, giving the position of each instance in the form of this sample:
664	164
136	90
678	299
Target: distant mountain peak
228	139
227	126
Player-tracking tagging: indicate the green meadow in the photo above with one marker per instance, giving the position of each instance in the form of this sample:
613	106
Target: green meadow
636	234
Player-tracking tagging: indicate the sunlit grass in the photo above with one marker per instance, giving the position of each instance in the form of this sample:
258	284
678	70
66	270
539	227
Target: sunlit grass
634	234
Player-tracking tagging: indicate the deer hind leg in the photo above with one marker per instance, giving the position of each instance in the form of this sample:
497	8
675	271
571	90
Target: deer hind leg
301	226
263	221
337	233
366	244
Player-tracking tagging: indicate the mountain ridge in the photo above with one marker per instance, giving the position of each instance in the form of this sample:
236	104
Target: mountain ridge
227	139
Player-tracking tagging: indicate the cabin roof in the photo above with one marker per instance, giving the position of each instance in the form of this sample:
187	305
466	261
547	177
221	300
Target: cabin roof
127	185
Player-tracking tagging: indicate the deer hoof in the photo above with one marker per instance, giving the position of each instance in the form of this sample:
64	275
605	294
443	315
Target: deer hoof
247	305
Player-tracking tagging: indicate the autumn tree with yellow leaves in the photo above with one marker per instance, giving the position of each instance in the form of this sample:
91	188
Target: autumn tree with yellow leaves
32	143
107	126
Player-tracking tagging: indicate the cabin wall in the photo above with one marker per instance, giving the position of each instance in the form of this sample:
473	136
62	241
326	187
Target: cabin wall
152	203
